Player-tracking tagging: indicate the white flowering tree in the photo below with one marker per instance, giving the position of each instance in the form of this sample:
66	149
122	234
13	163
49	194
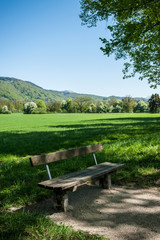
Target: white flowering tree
4	110
29	107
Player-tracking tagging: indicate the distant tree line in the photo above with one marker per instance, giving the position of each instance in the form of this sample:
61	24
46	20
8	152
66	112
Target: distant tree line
8	106
86	105
83	105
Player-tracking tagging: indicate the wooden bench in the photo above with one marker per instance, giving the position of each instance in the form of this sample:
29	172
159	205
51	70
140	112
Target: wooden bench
61	185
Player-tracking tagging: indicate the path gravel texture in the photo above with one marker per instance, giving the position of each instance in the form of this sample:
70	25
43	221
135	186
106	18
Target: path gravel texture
119	214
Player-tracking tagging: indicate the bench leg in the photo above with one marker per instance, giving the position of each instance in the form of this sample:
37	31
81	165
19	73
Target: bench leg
109	181
60	200
95	181
105	181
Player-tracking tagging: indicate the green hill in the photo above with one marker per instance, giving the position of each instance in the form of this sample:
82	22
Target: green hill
16	89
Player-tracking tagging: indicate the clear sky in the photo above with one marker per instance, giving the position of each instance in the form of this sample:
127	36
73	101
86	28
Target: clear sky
42	41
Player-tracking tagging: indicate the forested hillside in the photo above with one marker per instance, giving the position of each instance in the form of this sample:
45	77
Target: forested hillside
15	89
19	90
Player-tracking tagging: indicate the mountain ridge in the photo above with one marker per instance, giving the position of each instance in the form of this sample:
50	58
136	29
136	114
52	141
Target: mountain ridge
16	89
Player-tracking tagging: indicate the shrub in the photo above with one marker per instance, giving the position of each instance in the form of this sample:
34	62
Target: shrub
39	111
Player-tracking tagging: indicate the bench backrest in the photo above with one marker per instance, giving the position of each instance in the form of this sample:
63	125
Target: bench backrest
56	156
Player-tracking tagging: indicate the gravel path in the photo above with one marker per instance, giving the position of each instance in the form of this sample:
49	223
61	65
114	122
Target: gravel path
119	214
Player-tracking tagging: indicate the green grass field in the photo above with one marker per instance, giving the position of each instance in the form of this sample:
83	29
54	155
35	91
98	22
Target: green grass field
133	139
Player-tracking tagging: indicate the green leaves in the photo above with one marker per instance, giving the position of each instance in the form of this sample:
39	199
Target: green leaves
154	103
135	33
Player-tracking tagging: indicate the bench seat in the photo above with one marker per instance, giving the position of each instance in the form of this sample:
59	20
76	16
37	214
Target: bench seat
80	177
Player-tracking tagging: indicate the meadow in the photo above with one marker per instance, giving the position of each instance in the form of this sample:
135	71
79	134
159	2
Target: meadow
133	139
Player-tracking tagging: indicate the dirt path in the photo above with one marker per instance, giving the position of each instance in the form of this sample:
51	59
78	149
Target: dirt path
120	213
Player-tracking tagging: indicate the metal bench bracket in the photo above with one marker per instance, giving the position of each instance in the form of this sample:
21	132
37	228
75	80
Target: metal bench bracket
48	172
94	157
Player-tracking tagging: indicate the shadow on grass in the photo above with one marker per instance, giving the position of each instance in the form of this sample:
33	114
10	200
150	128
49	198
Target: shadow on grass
152	119
14	225
22	144
19	180
27	224
148	121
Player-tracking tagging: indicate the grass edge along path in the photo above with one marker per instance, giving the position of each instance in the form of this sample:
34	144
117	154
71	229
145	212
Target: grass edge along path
26	225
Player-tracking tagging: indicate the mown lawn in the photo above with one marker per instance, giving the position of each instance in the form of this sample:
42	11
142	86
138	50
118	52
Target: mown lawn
133	139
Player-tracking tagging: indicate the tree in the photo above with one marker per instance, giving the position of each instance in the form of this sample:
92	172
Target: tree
135	33
41	108
4	110
117	107
128	104
68	105
55	106
112	100
154	103
107	107
29	107
100	107
41	105
11	106
81	104
92	108
141	107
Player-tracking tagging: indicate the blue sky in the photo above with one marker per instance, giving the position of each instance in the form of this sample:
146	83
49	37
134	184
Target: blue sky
42	41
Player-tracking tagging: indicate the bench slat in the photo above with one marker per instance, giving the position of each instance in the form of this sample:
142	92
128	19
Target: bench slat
79	177
56	156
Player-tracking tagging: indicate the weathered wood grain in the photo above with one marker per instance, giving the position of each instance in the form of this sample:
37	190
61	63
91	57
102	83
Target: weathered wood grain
56	156
105	181
80	177
60	199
